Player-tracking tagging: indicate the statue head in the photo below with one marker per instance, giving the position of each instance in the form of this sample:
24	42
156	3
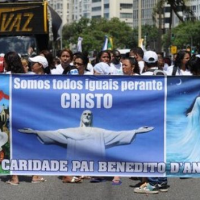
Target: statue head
86	119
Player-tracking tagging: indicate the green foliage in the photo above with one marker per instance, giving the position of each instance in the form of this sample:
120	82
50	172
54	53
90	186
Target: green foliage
185	34
93	32
150	33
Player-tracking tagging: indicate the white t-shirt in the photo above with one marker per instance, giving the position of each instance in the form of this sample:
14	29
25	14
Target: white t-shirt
178	72
116	69
102	68
149	73
58	70
88	73
141	66
165	68
90	68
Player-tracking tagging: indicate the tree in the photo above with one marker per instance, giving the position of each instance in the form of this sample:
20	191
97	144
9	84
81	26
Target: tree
175	6
184	38
93	32
149	34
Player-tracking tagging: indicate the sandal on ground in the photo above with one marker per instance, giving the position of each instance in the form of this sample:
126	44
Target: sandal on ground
72	180
41	180
97	180
12	183
116	182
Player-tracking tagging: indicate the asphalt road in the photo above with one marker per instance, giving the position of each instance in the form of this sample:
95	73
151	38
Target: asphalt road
54	189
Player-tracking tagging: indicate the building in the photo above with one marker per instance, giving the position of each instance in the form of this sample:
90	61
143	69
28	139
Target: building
147	7
125	10
73	10
195	5
63	8
122	9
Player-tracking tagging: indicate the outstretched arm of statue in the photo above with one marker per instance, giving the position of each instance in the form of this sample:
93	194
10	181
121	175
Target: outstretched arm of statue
46	136
60	135
27	130
114	138
144	129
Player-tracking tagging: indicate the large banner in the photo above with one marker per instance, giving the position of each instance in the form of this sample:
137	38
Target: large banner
99	125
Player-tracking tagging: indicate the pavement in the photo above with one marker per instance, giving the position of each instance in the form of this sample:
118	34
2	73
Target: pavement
54	189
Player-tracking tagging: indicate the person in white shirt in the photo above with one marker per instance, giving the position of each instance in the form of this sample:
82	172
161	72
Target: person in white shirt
138	53
162	65
151	62
66	57
102	67
39	65
81	63
181	65
89	70
116	65
130	66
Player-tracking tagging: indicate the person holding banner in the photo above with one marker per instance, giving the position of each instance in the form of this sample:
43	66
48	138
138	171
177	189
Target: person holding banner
181	64
81	63
102	67
13	64
153	184
130	66
104	56
66	57
116	65
39	65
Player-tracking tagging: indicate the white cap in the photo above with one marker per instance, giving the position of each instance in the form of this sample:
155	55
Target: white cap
102	68
150	57
198	56
39	59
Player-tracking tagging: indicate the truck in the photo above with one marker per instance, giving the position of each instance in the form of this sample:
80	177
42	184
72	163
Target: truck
24	25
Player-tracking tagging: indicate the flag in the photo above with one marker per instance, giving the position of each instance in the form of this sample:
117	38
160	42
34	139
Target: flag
79	44
56	23
105	45
110	43
141	44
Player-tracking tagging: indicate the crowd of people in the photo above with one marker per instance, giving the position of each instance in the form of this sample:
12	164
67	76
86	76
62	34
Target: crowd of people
107	62
136	62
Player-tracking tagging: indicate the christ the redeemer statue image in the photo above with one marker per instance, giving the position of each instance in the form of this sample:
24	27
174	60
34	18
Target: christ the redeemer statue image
86	142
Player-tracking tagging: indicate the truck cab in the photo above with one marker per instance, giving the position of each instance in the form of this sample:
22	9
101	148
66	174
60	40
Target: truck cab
23	24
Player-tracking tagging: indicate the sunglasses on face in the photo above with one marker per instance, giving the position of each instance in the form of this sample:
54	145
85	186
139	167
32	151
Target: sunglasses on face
79	64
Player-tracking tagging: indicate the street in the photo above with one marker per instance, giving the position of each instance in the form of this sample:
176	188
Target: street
54	189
